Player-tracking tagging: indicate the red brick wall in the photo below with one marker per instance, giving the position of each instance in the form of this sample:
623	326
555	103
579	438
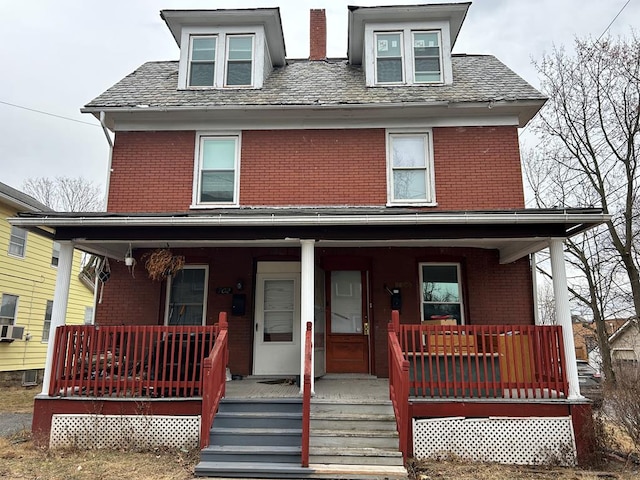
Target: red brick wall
313	167
151	172
475	168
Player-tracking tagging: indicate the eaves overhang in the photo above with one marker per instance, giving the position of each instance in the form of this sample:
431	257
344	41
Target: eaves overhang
522	111
176	20
514	233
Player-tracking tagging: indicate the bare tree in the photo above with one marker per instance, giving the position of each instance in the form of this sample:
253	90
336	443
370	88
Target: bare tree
588	156
65	194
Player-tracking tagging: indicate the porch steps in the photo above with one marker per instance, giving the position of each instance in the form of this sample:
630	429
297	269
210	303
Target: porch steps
353	432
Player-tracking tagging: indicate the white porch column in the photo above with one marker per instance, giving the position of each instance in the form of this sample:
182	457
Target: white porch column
59	311
563	313
307	267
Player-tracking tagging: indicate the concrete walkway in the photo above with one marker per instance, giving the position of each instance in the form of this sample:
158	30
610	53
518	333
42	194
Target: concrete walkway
11	423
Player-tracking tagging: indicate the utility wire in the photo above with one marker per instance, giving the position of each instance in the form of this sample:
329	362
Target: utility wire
47	113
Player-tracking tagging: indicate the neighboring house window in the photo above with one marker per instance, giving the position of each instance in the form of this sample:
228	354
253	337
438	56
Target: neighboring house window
389	64
441	291
8	309
239	60
218	160
410	168
17	241
202	61
186	295
426	57
55	254
46	328
88	315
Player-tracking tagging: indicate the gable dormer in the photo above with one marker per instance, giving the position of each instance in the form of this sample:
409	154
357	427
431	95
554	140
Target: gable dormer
226	48
405	45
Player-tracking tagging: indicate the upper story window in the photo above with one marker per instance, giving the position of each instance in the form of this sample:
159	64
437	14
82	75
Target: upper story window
411	53
55	254
17	241
239	60
410	177
441	291
217	179
46	327
223	58
202	61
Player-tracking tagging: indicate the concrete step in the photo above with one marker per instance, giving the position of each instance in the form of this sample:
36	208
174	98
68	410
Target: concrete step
256	436
353	439
322	406
226	419
355	456
229	470
251	454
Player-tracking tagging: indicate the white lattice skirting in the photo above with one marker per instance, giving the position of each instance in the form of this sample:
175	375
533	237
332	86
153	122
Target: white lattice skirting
124	431
525	441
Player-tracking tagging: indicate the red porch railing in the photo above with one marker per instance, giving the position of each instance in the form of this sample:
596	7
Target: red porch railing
306	396
494	361
399	388
214	379
130	361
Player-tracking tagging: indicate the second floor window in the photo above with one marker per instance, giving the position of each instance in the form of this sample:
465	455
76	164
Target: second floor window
17	241
46	327
410	168
8	309
218	170
55	254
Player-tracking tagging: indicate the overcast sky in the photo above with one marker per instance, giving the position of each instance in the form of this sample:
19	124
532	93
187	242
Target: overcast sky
57	55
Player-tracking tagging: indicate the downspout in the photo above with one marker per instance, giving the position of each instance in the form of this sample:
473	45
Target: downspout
110	142
534	282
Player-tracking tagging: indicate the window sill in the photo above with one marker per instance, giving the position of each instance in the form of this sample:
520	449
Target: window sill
213	205
412	204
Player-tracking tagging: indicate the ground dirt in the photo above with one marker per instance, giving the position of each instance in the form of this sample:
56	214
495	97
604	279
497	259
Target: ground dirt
20	459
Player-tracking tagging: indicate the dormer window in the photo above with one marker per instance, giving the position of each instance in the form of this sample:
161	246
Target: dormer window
239	60
402	62
202	61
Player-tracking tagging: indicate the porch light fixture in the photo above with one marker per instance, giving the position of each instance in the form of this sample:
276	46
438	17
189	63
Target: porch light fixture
240	284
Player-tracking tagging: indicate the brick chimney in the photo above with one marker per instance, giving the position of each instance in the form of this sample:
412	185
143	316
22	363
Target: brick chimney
317	35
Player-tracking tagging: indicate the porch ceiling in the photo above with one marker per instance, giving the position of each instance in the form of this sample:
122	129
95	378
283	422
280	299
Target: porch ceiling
515	233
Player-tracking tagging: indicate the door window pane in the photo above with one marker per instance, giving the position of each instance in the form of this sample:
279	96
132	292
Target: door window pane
441	292
346	302
279	301
186	297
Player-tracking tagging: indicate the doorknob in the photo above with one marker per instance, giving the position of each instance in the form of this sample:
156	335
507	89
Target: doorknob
366	328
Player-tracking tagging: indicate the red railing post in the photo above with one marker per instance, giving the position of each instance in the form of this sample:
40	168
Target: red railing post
306	397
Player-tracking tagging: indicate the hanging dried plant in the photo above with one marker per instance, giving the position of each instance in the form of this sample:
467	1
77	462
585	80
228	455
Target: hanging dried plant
162	262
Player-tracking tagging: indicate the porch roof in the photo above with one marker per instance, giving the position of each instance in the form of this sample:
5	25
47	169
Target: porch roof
515	233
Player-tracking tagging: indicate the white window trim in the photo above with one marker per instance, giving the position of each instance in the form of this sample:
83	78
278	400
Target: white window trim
190	61
458	273
195	201
407	30
260	62
205	294
15	312
253	59
430	201
24	247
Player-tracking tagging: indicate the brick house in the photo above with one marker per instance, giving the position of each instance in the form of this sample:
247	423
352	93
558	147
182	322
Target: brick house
331	191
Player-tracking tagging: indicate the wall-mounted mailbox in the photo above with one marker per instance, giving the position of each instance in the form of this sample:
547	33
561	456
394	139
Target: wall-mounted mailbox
238	304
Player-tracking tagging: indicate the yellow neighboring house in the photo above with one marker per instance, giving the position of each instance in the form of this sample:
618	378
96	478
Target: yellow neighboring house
28	269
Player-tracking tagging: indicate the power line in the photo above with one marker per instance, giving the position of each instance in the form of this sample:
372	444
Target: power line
47	113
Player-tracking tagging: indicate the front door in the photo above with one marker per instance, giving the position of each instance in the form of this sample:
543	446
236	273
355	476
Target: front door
347	322
277	319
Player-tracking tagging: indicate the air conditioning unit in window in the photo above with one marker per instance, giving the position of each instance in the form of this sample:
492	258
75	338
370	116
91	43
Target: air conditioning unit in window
9	333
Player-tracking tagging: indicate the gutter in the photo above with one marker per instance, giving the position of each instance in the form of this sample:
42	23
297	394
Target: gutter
109	163
314	220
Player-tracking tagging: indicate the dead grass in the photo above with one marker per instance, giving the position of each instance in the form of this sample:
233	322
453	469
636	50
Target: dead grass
17	399
19	459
